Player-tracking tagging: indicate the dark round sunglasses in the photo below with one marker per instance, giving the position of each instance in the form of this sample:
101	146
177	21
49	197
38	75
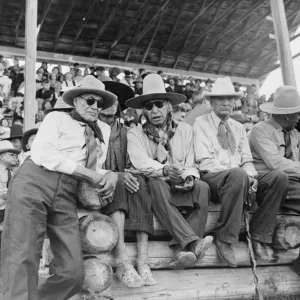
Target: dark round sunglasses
157	103
90	101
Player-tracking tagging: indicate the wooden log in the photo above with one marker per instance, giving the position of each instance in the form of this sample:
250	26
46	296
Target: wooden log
225	283
98	275
160	255
99	233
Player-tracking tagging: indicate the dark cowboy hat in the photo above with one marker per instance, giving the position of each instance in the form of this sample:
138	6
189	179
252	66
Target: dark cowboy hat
154	89
27	134
16	132
90	84
121	90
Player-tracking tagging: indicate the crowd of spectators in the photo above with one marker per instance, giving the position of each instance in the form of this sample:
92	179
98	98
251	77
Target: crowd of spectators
51	83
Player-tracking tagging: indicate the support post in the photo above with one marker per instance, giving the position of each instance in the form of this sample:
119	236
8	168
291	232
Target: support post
283	42
30	59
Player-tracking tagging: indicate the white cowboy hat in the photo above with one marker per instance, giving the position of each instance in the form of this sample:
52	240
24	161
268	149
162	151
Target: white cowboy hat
223	87
7	146
90	84
286	101
60	105
154	89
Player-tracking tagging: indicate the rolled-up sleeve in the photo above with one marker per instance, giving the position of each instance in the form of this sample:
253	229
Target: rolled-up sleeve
44	151
268	151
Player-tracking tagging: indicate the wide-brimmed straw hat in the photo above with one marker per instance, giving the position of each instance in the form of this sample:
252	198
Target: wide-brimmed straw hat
90	85
286	101
27	134
60	105
7	146
154	89
223	87
121	90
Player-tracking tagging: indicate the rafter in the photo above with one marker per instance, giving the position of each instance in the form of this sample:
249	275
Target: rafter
223	61
152	38
136	16
84	20
180	13
45	12
18	25
121	24
63	23
202	11
102	27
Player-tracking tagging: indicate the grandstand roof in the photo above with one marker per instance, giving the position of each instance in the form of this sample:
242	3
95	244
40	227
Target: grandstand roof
229	37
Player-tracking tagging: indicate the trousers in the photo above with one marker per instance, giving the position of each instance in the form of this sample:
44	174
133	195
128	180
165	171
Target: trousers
40	202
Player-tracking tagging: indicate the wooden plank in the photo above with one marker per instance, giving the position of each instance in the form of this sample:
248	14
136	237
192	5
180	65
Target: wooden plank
212	284
160	255
30	60
42	20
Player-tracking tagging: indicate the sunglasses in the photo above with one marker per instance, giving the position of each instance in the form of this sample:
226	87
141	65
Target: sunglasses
90	101
157	103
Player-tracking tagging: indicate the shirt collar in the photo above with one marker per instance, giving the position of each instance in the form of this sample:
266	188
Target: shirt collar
274	123
216	119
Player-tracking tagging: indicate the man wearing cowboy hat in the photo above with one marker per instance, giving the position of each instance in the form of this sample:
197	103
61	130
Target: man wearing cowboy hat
68	150
16	133
163	151
8	164
27	140
223	156
131	196
275	146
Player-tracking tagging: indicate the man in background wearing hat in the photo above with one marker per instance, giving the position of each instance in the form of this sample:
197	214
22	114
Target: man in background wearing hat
163	151
8	164
68	150
275	146
27	140
16	134
223	156
131	197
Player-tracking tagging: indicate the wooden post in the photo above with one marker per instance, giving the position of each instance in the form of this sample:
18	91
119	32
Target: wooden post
30	60
283	42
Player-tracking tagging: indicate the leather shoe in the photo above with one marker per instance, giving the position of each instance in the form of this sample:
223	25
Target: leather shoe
226	253
200	246
182	260
263	252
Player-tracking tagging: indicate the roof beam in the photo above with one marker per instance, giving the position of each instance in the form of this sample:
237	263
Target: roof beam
152	38
45	12
136	16
234	5
18	25
84	20
106	23
202	11
63	23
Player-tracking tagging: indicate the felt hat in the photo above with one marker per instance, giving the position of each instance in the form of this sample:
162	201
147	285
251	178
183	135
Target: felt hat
27	134
16	132
223	87
7	146
153	89
90	84
286	100
121	90
60	105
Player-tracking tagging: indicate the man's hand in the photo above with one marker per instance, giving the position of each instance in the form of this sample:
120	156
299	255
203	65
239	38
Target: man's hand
188	185
253	184
131	183
173	171
107	185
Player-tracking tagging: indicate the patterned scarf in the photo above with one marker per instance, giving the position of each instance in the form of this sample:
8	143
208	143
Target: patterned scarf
93	125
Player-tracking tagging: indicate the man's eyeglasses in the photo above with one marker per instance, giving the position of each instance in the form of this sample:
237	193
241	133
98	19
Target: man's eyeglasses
157	103
90	101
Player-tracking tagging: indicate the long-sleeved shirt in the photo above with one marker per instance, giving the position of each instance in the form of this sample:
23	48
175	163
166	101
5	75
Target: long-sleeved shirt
3	185
143	151
209	154
60	144
268	148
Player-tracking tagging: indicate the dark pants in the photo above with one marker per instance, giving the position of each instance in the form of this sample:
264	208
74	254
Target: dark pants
229	187
184	231
293	196
137	206
41	201
271	194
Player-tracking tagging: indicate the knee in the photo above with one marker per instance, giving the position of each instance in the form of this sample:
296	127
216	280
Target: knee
238	174
203	190
280	177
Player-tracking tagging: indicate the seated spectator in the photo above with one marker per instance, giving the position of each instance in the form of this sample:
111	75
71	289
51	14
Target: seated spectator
208	85
100	71
78	76
46	105
161	74
69	82
127	79
45	67
178	113
262	116
5	81
92	72
138	86
55	84
8	164
15	137
46	87
28	138
113	73
198	85
18	79
39	117
171	87
178	86
2	95
188	91
4	123
72	71
39	80
86	72
4	129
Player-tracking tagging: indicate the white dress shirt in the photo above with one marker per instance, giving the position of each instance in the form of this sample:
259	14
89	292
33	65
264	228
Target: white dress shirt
60	146
209	154
143	151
